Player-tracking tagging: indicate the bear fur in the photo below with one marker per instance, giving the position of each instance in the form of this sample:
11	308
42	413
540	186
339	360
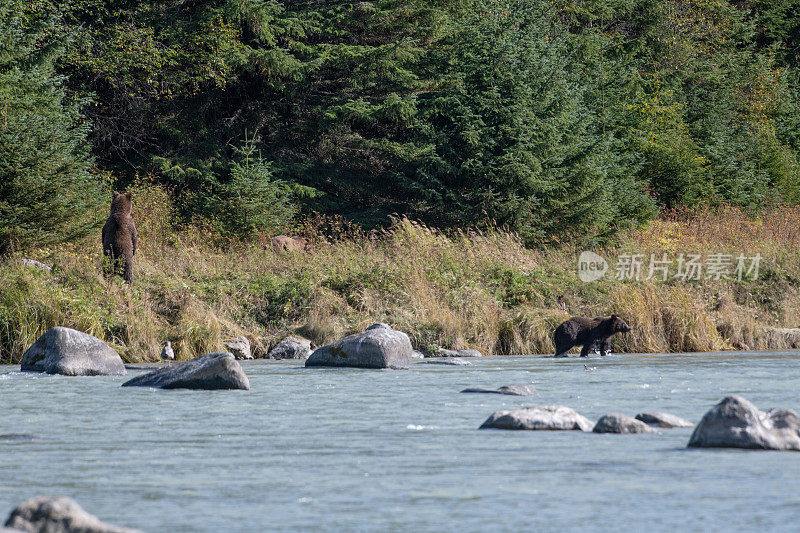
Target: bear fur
284	243
587	332
120	238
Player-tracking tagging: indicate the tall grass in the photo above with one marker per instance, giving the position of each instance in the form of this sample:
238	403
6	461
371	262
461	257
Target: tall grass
478	289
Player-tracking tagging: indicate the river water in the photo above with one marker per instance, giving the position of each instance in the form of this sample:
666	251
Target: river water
372	450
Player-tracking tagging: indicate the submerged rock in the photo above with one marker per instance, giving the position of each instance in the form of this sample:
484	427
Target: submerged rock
513	390
454	361
540	417
615	423
72	353
664	420
291	347
18	437
379	346
441	352
58	515
212	371
736	423
239	347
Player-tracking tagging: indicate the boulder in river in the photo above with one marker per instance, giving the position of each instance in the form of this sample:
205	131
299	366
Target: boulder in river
291	347
616	423
72	353
212	371
541	417
379	346
664	420
58	515
513	390
239	347
441	352
736	423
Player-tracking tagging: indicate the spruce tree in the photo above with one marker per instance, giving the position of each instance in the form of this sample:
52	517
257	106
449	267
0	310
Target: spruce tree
511	137
47	193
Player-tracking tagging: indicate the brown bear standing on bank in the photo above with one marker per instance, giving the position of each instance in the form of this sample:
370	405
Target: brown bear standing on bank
119	237
586	332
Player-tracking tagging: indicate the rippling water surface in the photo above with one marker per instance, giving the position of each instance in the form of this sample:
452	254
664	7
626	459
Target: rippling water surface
371	450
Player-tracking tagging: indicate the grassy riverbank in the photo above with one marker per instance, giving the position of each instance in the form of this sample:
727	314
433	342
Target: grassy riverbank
471	289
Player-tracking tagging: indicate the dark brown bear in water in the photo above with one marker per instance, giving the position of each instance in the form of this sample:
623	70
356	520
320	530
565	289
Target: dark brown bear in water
119	237
587	332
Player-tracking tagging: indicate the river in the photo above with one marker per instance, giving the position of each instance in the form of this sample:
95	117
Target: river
370	450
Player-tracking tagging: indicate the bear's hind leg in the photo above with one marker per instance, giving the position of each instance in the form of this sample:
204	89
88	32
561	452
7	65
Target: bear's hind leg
125	266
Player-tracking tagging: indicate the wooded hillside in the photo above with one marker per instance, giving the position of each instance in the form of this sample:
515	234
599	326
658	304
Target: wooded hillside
555	119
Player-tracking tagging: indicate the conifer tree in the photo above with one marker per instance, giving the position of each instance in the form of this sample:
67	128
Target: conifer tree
512	139
47	193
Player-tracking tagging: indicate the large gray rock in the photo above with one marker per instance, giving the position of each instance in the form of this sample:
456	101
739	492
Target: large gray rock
513	390
72	353
546	417
441	352
736	423
239	347
664	420
379	346
58	515
291	348
218	370
615	423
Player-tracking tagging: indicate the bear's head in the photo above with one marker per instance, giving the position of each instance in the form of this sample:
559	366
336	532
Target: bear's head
121	203
618	325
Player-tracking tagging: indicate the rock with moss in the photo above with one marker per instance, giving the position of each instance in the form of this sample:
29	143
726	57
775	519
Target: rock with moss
616	423
663	420
57	515
292	347
379	346
70	352
212	371
540	417
736	423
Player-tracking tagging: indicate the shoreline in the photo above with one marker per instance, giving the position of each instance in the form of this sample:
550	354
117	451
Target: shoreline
457	290
787	352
